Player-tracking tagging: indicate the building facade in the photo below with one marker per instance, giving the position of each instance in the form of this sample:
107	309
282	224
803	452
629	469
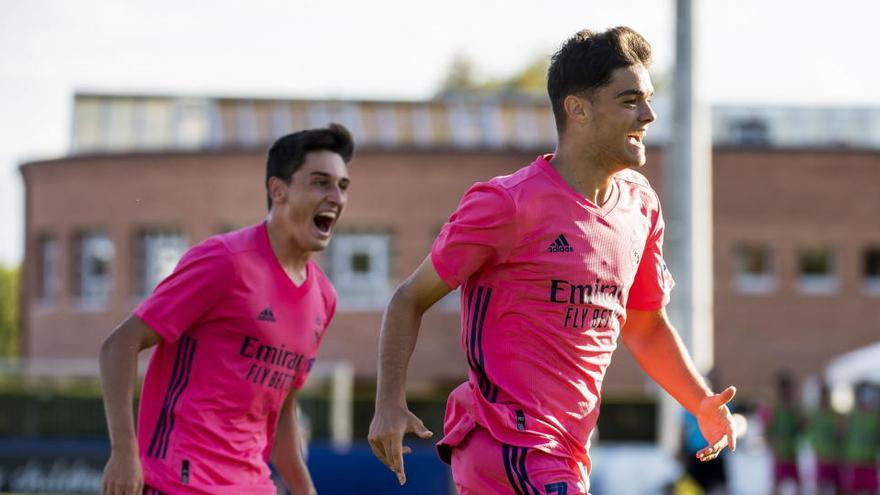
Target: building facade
796	238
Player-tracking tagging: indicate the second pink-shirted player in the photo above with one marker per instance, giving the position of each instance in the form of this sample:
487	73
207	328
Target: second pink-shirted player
556	262
236	328
237	337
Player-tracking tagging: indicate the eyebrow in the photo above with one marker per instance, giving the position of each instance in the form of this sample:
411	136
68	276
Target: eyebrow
634	92
328	176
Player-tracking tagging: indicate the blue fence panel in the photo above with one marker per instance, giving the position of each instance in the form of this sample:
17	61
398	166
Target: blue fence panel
74	466
358	472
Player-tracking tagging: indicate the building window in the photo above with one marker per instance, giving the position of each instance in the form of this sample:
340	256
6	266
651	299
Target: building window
282	120
117	124
464	122
816	271
47	279
86	124
158	252
192	122
871	270
93	255
750	132
422	125
246	118
754	270
349	115
491	125
526	127
386	120
319	114
359	267
158	118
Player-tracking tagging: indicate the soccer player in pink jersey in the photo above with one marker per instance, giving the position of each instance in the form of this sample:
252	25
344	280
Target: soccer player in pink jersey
236	328
555	262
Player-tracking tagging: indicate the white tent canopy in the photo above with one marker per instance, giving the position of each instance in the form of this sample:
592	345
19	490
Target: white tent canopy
862	364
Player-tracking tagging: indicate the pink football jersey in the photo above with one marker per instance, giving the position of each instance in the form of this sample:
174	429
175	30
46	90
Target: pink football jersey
546	278
237	336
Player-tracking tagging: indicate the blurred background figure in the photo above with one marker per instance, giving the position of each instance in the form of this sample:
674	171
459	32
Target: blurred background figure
862	441
783	428
824	432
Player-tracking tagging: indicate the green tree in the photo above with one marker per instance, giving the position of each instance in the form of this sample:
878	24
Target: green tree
9	330
530	79
462	77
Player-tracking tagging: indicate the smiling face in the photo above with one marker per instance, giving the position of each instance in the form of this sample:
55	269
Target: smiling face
616	118
307	208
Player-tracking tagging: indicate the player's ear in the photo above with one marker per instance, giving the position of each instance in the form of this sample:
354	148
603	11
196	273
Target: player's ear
577	108
277	190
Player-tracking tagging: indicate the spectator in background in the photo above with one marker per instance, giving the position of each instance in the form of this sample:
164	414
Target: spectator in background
825	436
862	440
784	424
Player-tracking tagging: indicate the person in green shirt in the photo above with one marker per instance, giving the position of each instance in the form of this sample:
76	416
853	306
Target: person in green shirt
783	431
824	432
862	439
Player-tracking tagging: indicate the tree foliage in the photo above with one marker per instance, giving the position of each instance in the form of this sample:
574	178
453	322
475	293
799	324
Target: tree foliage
462	76
9	294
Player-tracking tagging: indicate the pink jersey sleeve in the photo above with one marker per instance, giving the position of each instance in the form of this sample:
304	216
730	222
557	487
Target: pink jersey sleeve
653	282
482	231
196	285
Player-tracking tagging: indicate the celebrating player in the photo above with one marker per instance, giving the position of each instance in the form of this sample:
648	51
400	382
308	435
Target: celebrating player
236	328
555	262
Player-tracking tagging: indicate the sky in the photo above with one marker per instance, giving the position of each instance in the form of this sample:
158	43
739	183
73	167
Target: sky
756	52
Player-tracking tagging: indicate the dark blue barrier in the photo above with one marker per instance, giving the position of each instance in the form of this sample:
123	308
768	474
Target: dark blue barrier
74	466
358	472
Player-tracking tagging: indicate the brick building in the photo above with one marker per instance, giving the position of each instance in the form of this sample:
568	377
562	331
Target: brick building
796	232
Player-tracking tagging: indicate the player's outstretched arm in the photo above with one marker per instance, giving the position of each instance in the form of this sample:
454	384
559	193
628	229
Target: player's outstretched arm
287	450
657	348
400	330
123	475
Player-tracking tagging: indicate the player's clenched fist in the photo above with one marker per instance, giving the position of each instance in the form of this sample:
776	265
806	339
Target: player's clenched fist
387	429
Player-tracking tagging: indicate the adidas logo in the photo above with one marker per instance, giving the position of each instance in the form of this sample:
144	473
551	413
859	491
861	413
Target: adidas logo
267	315
560	245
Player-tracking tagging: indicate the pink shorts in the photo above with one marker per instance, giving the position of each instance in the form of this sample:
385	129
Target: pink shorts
785	470
482	465
860	478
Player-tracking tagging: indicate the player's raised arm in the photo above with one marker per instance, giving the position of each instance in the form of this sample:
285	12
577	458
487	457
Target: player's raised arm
400	331
658	349
123	474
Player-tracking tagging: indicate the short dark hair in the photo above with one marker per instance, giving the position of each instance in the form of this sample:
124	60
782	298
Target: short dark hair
288	153
585	62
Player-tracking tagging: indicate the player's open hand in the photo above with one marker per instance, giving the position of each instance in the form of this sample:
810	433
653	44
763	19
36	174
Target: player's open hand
716	424
387	429
123	475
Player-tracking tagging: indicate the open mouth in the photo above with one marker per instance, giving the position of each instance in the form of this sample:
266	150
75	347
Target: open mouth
324	221
635	138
